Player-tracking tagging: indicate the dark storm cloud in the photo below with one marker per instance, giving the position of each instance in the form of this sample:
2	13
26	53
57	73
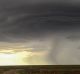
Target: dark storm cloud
23	21
49	26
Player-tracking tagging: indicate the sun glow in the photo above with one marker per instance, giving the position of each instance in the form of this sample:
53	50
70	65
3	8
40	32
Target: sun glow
13	58
22	56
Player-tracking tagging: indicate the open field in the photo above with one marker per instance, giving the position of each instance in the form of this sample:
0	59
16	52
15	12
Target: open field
40	69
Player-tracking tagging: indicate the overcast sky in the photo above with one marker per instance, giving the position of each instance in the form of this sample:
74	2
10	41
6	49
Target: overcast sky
51	25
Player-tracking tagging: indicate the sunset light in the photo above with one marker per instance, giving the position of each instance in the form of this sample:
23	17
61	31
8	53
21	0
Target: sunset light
14	58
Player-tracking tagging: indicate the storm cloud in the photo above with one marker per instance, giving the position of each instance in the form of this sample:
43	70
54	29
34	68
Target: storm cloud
50	26
36	20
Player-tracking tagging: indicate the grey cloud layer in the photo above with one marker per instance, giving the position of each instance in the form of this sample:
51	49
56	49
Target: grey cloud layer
31	21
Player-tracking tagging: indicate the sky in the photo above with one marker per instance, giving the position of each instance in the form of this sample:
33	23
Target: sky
47	30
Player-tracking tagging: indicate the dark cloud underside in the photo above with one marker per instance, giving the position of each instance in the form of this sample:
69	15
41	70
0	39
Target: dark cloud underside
35	20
